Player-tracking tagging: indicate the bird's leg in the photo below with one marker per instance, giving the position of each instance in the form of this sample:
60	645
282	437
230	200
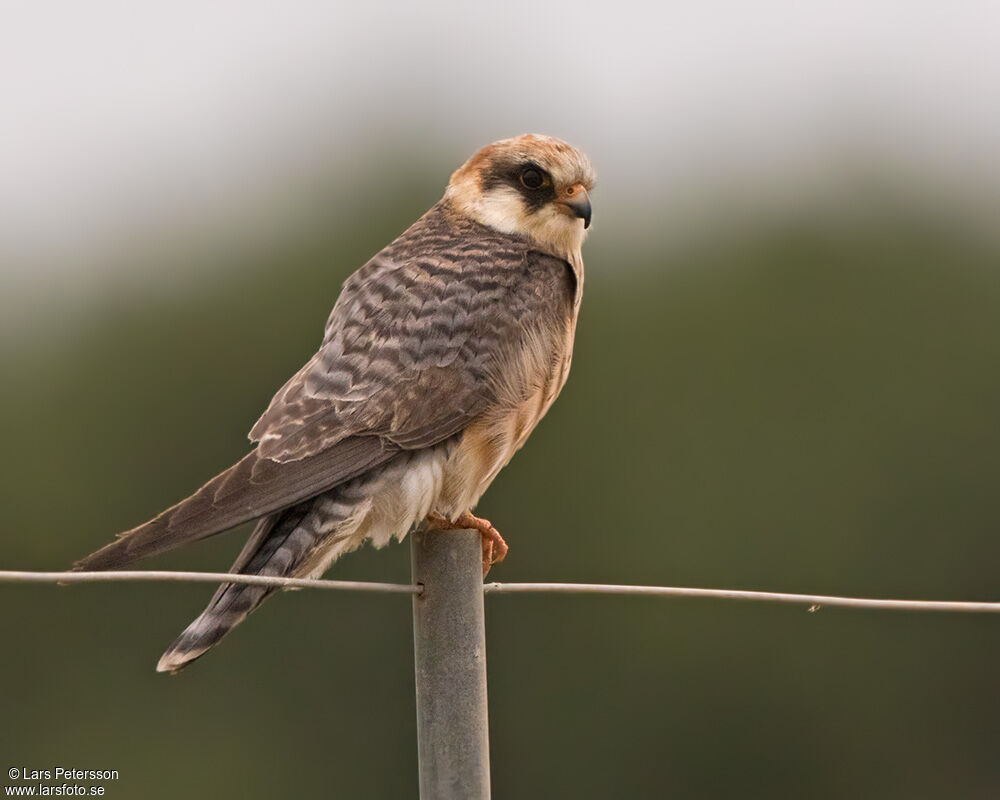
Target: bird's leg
494	547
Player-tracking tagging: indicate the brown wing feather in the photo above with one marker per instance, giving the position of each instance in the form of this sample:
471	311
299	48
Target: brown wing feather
249	489
409	344
407	361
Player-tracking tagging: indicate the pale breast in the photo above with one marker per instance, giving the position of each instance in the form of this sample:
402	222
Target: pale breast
529	382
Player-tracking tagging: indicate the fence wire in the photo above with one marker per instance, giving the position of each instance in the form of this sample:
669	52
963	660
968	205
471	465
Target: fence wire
813	601
169	576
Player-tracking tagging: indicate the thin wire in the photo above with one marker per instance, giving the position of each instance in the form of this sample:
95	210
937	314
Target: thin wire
815	601
9	576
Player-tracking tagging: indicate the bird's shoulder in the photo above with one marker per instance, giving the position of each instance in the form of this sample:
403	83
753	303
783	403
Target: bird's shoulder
450	254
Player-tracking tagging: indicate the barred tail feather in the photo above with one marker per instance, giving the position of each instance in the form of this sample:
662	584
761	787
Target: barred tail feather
304	540
287	544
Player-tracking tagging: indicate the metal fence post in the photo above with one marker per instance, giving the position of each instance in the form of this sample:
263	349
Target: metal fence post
449	654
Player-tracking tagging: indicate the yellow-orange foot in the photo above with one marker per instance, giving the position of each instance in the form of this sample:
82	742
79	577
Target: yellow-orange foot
494	547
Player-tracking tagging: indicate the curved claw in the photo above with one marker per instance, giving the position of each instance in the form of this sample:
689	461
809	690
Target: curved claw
494	547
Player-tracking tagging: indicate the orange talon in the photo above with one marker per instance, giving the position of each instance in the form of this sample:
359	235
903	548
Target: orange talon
494	547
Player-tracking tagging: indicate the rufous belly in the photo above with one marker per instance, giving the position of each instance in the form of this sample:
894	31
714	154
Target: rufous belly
531	383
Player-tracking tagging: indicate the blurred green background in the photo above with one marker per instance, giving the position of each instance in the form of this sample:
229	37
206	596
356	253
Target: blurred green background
775	387
808	408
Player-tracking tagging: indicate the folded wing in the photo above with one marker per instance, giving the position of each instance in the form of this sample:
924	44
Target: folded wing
405	363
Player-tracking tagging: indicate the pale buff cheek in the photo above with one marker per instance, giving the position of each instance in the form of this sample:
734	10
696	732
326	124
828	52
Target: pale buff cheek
500	209
563	233
503	209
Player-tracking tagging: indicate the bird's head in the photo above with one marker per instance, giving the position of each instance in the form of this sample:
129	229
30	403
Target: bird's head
531	185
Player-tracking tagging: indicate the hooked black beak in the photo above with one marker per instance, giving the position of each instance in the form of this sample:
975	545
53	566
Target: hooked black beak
580	207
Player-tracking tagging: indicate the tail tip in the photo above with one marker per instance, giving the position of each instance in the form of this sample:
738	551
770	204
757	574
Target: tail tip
173	661
197	639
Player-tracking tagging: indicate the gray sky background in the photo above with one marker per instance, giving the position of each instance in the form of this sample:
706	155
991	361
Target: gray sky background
187	116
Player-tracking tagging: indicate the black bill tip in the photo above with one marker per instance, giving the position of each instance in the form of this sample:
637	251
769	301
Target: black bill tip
581	208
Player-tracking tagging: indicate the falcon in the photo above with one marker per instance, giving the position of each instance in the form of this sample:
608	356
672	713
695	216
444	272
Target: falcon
441	355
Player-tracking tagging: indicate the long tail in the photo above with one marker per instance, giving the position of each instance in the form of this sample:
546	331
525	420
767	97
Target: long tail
302	540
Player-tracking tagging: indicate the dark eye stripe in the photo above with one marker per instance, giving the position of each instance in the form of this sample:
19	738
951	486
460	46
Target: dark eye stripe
509	174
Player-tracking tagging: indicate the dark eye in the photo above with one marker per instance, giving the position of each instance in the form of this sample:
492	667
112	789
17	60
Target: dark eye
532	178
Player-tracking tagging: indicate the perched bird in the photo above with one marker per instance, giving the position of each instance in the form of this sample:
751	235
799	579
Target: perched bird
439	358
